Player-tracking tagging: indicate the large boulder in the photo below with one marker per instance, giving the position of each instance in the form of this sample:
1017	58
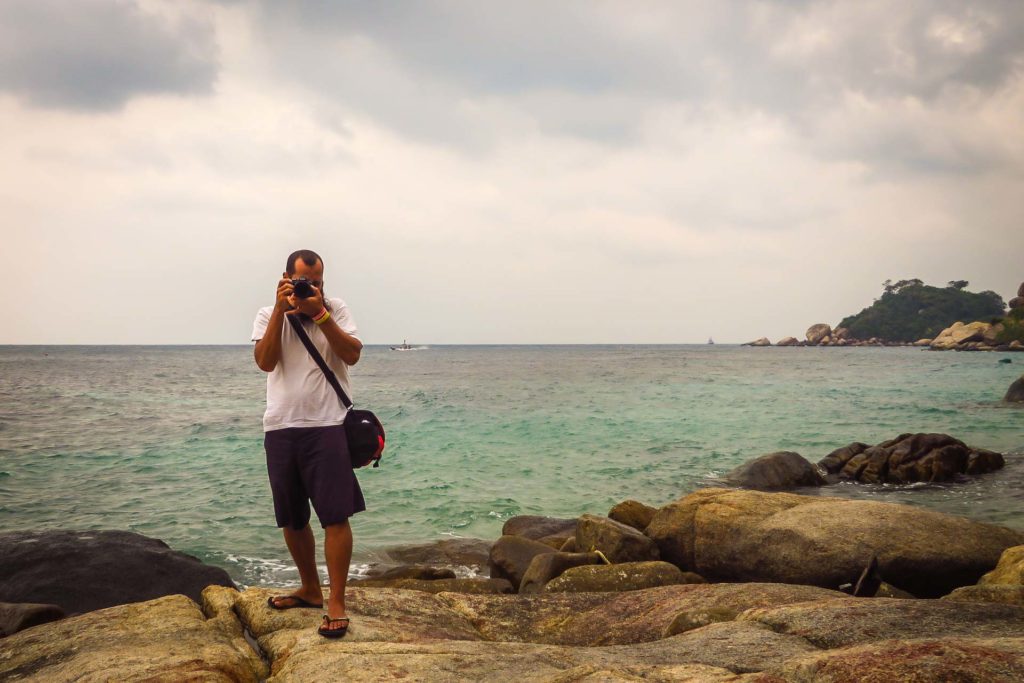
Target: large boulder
536	527
1020	290
422	572
618	542
167	639
817	333
738	535
1007	595
1009	571
763	341
629	576
81	571
775	471
633	513
1015	394
511	556
788	341
548	566
911	458
1016	302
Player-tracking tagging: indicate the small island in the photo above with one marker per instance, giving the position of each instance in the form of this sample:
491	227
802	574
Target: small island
911	313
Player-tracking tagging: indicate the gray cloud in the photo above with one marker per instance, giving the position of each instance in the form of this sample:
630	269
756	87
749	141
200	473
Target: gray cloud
469	75
96	56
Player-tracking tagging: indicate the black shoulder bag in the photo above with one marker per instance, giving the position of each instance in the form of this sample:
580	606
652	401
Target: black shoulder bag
363	431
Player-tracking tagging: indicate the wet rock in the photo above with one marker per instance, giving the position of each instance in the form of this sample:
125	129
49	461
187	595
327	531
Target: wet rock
536	527
511	556
628	576
422	572
81	571
739	535
1015	394
1009	571
837	459
775	471
939	659
911	458
16	617
548	566
817	333
164	639
632	513
618	542
448	585
448	552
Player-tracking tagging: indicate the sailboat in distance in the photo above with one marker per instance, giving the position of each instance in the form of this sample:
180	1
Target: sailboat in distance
710	340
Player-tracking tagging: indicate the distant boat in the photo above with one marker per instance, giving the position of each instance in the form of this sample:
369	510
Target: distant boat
404	347
710	340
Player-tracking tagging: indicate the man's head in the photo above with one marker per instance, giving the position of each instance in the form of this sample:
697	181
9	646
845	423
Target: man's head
306	264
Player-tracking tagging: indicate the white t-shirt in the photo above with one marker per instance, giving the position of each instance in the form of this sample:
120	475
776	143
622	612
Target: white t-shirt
298	394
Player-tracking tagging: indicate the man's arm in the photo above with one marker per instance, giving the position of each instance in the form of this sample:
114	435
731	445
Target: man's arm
268	348
345	346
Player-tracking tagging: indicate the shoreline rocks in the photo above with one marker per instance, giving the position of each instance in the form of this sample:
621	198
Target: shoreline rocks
83	571
1015	394
911	458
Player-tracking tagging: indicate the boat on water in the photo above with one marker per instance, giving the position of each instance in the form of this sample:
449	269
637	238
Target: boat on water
710	340
404	347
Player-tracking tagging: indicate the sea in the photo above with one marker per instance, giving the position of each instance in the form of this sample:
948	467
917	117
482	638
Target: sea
167	441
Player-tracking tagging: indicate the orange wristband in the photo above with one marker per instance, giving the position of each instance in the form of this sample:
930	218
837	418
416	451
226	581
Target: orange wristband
322	317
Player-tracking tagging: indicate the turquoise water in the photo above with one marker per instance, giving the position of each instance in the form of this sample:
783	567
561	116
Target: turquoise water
167	441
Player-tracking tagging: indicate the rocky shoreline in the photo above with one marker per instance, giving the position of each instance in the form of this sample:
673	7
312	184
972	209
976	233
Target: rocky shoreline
972	336
723	584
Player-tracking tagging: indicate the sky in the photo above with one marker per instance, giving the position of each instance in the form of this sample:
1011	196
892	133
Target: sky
502	172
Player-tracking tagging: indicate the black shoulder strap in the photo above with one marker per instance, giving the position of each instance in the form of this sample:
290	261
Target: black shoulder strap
308	343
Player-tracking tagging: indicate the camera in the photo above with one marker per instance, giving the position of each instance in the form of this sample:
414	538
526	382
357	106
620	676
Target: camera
303	288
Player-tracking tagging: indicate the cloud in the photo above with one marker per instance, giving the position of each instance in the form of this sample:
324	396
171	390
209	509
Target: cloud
92	55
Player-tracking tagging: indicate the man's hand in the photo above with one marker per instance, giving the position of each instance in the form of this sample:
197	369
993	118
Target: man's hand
311	306
285	293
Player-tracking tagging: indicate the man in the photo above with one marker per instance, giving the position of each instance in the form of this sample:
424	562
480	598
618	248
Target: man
307	455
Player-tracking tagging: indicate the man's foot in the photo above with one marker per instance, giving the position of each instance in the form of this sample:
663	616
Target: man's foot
333	628
281	602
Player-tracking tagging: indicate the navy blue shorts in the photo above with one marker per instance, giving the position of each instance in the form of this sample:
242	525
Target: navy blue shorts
311	465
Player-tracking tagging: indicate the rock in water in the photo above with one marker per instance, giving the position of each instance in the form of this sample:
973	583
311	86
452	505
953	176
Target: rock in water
737	535
1015	394
787	341
816	333
911	458
454	552
763	341
82	571
536	527
775	471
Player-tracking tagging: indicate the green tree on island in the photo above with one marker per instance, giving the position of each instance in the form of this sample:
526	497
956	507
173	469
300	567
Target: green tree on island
909	310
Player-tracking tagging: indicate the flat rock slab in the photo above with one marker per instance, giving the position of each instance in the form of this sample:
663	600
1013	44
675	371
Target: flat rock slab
590	619
165	639
714	653
969	660
841	623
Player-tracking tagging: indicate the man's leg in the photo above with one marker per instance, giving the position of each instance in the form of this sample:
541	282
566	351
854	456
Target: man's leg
338	549
302	546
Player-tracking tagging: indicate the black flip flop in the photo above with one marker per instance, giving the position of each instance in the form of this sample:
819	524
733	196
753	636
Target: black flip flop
327	632
296	602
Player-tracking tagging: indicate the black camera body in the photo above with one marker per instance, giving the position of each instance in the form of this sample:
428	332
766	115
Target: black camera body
303	288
